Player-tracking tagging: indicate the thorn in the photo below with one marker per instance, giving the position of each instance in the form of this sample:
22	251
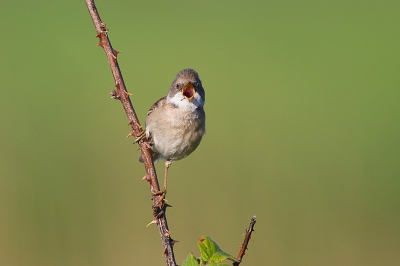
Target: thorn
173	241
97	35
127	93
166	204
146	178
130	134
152	222
116	52
165	252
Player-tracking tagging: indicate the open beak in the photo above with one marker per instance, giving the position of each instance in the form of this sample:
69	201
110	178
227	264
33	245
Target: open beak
189	91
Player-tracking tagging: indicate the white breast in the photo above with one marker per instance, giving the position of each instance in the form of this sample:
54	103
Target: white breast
176	132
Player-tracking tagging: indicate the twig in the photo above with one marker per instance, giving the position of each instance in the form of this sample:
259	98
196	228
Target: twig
246	240
121	93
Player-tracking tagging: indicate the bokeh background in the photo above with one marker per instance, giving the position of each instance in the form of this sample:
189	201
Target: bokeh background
302	130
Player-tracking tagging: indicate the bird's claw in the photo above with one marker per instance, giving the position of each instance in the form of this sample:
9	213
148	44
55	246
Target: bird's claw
160	193
140	137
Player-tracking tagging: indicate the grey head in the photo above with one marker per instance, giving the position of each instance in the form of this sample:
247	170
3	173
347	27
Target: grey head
187	88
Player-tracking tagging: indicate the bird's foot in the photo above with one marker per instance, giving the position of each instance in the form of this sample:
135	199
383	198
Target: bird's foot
162	199
140	137
162	192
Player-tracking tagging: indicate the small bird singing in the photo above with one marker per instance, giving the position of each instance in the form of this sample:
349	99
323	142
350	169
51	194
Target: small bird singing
176	123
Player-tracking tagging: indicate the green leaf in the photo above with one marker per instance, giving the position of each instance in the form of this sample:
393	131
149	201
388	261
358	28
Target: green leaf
191	261
211	253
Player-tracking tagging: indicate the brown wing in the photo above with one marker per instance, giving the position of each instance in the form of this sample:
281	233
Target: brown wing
157	104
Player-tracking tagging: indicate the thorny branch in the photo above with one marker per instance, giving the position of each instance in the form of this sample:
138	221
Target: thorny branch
246	240
121	93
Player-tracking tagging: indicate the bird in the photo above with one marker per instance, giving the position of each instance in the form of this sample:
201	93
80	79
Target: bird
176	123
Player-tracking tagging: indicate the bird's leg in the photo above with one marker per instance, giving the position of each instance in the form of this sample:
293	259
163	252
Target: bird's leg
167	165
163	192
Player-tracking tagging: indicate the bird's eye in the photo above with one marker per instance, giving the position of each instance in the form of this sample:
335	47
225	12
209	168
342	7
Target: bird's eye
177	87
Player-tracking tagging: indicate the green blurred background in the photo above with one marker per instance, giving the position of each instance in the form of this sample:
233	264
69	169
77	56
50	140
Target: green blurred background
302	130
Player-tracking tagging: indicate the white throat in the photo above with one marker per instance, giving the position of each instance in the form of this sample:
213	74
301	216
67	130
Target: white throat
182	102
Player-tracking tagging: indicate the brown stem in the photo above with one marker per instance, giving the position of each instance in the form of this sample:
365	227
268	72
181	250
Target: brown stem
246	240
159	206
